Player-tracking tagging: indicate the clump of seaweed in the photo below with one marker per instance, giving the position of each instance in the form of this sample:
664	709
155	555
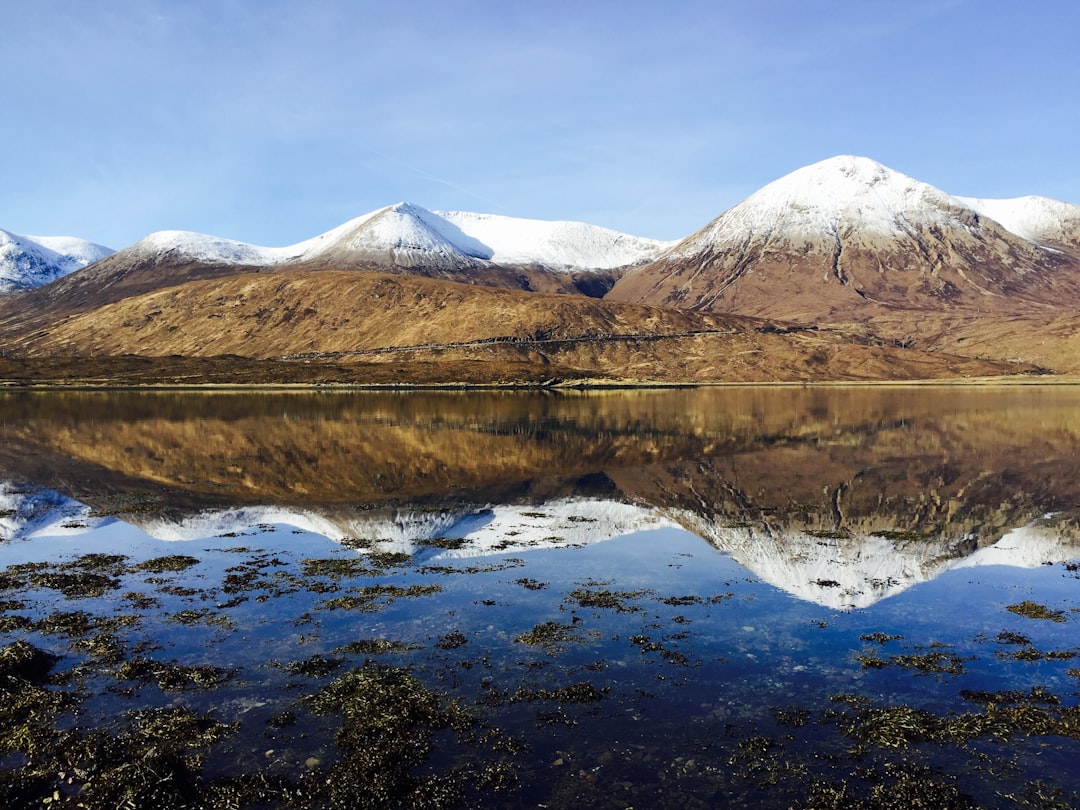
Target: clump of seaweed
452	640
337	567
27	707
449	543
171	562
74	624
607	599
375	597
390	720
173	677
75	585
934	661
581	692
389	559
900	785
553	637
1033	610
155	761
530	584
1008	637
1002	716
879	637
23	660
374	646
317	666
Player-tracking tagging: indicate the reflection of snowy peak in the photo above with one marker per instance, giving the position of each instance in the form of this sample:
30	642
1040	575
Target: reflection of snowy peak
839	572
510	528
486	530
27	262
405	233
27	511
856	572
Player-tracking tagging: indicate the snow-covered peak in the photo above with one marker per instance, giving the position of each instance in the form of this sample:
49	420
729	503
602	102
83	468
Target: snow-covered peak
555	244
206	248
1037	219
407	227
32	261
847	194
829	197
410	231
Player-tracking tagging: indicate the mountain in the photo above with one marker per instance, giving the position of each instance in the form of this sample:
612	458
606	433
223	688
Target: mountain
853	270
1048	223
363	326
847	238
27	262
408	235
482	249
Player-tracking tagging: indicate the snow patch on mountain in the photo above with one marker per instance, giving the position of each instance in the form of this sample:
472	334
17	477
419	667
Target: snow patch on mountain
27	262
1037	219
558	245
191	246
828	199
408	230
513	528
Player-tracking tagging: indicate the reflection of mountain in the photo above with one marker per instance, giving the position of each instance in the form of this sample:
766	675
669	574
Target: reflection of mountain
837	572
27	511
839	496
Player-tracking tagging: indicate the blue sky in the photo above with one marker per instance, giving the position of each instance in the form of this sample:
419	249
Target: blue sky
271	121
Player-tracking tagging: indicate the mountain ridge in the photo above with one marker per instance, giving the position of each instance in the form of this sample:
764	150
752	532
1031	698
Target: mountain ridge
847	246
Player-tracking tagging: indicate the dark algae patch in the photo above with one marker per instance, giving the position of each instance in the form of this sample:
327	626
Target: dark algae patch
1033	610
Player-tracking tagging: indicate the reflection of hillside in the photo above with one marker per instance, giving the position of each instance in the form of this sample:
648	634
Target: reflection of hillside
890	482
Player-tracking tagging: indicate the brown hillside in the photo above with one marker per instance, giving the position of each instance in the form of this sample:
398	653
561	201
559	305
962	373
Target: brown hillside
127	274
334	317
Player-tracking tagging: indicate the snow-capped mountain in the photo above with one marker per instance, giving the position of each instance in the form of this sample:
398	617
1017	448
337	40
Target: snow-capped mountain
838	235
27	262
1046	222
408	234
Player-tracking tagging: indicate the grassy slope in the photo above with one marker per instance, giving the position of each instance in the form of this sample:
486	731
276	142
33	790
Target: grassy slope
437	332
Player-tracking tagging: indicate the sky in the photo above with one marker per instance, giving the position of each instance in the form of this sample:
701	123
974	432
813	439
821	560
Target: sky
271	121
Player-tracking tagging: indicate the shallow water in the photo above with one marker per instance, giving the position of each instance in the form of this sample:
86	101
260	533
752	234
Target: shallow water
749	597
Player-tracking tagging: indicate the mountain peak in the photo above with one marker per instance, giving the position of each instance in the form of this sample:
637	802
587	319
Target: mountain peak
33	261
831	239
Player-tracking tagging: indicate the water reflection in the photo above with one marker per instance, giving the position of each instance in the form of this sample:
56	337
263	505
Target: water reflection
518	600
838	496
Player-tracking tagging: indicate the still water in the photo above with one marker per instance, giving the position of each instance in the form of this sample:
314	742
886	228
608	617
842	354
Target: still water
755	597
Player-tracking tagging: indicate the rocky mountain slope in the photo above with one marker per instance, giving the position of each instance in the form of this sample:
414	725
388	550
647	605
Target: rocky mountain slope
27	262
848	238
